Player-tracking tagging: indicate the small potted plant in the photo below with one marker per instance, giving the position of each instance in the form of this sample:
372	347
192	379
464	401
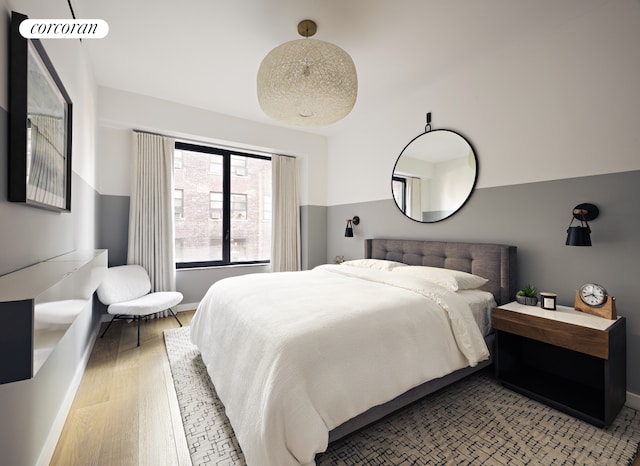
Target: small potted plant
528	296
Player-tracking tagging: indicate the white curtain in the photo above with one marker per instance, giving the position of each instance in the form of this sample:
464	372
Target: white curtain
151	235
285	235
414	201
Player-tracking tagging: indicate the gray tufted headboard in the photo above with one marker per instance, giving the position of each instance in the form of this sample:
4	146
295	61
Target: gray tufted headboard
495	262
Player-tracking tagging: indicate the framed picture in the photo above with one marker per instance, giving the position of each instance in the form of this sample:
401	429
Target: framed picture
40	112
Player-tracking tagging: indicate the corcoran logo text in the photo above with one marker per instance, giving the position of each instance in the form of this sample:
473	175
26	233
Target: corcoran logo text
64	28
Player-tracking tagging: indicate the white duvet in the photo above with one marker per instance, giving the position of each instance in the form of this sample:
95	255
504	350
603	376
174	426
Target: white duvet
293	355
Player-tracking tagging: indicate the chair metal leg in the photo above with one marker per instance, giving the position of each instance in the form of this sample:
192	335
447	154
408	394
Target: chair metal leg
175	316
138	318
105	330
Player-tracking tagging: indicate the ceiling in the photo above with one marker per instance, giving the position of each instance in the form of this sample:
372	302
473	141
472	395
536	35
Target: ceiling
206	53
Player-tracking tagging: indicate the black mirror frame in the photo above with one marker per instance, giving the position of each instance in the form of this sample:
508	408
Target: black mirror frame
473	186
18	114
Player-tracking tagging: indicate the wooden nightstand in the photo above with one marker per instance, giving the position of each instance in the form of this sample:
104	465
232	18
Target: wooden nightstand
570	360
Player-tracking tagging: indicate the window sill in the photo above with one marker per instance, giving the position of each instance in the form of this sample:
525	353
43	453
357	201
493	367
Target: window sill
224	267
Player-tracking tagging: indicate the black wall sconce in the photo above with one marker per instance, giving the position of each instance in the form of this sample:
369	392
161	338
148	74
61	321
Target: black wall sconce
581	235
348	232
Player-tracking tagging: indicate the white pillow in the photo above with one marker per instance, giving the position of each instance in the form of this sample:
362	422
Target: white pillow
377	264
453	280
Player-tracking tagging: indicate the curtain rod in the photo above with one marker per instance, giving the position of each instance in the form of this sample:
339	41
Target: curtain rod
139	131
220	146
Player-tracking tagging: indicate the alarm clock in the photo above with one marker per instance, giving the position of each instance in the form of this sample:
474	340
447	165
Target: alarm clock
592	294
594	299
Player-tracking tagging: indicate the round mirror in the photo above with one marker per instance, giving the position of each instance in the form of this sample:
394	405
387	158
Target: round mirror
434	175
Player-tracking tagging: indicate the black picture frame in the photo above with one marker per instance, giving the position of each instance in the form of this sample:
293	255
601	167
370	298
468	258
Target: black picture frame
40	122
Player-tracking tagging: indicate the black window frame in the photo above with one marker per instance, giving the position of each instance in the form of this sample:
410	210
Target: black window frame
226	203
403	182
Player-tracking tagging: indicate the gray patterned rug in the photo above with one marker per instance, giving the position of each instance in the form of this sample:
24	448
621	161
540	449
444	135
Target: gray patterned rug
475	421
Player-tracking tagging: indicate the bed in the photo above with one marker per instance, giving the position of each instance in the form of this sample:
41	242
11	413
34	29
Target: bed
300	359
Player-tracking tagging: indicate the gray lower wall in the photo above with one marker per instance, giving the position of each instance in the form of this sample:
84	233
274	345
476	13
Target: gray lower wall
193	283
313	232
534	217
114	227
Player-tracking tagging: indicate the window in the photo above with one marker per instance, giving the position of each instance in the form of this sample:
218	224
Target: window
223	195
399	188
238	165
215	206
215	166
239	206
267	208
178	204
177	160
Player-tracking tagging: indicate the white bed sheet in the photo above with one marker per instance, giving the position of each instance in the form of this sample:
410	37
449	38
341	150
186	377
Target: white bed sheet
293	355
482	304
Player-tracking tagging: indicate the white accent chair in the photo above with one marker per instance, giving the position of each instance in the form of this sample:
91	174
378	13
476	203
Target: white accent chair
125	292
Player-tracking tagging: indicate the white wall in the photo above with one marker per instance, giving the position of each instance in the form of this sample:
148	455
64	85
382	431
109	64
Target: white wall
64	232
33	411
451	184
558	104
72	65
120	112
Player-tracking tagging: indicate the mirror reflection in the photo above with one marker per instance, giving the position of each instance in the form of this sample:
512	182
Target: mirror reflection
434	176
46	145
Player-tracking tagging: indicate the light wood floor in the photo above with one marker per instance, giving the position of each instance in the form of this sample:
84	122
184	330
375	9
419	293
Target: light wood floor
122	414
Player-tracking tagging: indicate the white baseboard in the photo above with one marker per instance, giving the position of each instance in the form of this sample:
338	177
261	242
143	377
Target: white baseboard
179	308
49	447
633	401
187	307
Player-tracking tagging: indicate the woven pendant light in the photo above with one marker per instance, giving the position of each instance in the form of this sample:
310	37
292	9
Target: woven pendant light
307	82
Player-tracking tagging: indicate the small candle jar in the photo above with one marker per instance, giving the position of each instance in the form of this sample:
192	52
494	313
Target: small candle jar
548	301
